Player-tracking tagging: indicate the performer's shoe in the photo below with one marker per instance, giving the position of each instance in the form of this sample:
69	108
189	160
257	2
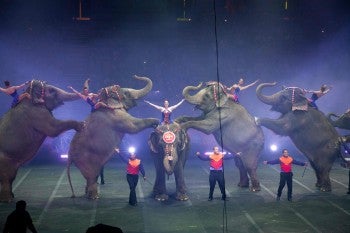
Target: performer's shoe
210	198
278	198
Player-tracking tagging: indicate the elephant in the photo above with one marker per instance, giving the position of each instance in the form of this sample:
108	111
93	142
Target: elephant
342	121
169	145
308	128
230	123
104	130
24	128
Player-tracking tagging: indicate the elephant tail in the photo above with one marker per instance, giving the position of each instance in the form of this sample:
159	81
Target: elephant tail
69	179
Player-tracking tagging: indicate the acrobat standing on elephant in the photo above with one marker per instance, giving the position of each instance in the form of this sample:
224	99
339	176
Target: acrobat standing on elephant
166	110
24	128
91	148
232	126
169	145
308	128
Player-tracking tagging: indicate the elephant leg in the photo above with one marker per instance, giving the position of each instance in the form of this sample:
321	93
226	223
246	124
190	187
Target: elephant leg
6	180
323	179
322	175
243	175
180	183
317	173
250	161
90	171
91	189
159	189
280	126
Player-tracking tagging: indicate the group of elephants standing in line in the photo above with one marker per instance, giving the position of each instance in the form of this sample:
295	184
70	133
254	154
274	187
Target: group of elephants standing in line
24	128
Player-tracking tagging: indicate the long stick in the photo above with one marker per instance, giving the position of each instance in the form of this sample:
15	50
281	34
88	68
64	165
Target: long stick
303	172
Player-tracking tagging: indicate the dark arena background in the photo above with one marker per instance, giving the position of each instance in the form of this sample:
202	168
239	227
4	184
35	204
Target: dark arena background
178	43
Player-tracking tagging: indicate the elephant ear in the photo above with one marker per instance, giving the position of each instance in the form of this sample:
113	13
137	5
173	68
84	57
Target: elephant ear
37	91
299	101
183	140
107	94
153	142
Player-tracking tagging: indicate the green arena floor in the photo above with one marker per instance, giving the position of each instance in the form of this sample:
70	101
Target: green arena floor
46	190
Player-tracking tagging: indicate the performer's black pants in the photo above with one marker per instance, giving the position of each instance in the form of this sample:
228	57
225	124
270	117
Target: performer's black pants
216	175
286	177
132	180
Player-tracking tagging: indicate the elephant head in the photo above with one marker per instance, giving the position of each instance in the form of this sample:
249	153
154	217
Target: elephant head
342	121
213	95
169	141
118	97
49	96
288	99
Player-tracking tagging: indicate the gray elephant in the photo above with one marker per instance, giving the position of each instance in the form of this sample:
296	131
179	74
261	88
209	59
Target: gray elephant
24	128
232	126
169	145
308	128
340	121
105	128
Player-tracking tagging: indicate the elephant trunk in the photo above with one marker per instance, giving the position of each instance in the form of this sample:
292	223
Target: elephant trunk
270	100
66	96
169	162
136	94
195	99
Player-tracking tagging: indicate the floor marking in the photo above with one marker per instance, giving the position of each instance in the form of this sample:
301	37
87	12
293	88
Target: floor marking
246	214
268	190
312	191
251	220
336	181
21	180
53	194
304	186
294	211
305	220
94	213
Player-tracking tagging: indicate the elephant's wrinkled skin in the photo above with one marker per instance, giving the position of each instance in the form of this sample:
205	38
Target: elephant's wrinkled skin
308	128
230	122
24	128
91	148
342	121
169	146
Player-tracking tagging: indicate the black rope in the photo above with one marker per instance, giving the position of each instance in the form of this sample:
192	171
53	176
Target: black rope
224	211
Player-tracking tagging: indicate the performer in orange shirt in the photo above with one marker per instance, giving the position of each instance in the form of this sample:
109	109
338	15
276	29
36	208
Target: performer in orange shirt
286	175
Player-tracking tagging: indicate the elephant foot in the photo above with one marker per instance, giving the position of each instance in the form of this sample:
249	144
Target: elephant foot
161	197
182	197
255	189
326	189
6	197
255	186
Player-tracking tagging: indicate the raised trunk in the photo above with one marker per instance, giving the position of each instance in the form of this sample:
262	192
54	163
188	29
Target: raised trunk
66	96
270	100
195	99
136	94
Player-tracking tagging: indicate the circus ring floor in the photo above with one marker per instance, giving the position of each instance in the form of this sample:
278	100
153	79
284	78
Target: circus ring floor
47	192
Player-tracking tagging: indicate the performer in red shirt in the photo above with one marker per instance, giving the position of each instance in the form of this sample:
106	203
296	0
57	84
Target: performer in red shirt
216	170
286	175
133	168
